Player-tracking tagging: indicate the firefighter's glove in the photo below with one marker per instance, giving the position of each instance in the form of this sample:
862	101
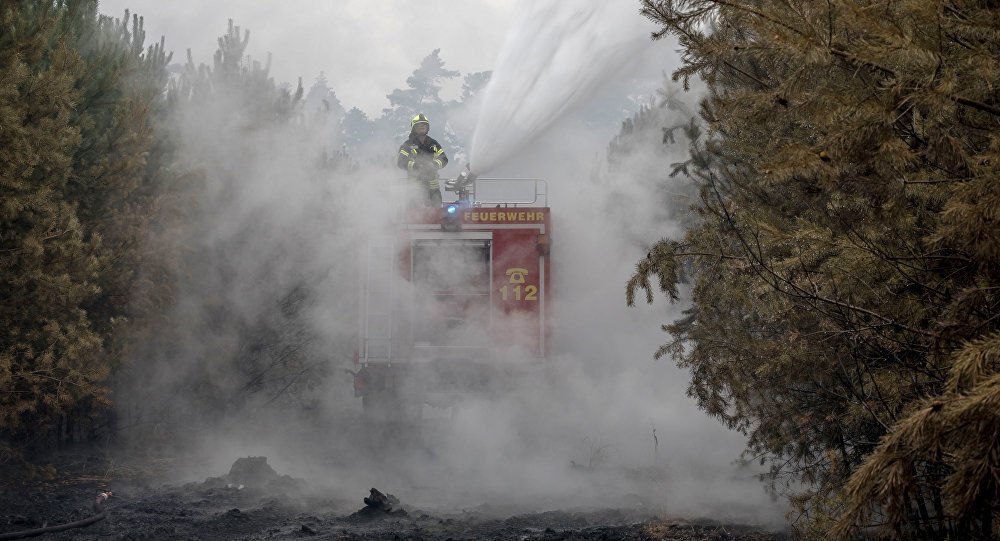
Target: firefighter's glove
424	169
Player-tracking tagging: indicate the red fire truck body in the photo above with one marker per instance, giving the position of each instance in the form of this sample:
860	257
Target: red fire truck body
455	298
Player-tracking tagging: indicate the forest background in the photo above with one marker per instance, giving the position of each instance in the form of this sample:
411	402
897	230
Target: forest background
842	256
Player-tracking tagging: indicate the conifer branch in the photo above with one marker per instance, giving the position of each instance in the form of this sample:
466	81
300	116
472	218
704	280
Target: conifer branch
851	58
857	287
707	254
976	105
798	291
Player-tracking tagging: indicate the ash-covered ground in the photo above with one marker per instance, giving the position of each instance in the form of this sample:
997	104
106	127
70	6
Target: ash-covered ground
226	489
289	510
252	500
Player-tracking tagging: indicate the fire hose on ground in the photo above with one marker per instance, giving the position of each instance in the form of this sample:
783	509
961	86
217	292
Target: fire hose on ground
99	514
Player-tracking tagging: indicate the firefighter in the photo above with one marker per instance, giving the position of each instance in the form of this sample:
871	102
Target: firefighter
422	156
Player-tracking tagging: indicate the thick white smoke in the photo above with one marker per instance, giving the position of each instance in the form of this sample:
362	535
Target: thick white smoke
558	54
579	433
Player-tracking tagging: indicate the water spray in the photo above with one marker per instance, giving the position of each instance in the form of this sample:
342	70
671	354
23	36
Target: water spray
558	54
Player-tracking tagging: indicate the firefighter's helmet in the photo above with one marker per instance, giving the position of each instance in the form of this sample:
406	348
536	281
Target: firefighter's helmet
420	118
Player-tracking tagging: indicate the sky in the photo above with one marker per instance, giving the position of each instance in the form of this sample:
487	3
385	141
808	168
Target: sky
383	39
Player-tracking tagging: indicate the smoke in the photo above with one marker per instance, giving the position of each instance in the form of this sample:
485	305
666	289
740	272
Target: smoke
347	36
582	432
267	312
556	56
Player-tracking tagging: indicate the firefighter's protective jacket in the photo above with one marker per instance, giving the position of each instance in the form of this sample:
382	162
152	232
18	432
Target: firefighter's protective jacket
422	160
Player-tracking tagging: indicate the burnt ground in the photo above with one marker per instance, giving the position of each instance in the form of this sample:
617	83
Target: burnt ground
251	500
283	508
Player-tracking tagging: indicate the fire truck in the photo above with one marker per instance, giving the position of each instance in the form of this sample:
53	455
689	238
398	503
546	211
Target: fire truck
455	300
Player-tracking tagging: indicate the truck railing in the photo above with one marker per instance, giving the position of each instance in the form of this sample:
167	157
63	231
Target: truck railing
511	192
490	191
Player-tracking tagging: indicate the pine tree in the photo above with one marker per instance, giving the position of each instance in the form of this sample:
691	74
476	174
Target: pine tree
422	95
357	129
238	333
322	99
325	114
474	83
845	257
118	177
635	159
369	138
49	352
85	223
